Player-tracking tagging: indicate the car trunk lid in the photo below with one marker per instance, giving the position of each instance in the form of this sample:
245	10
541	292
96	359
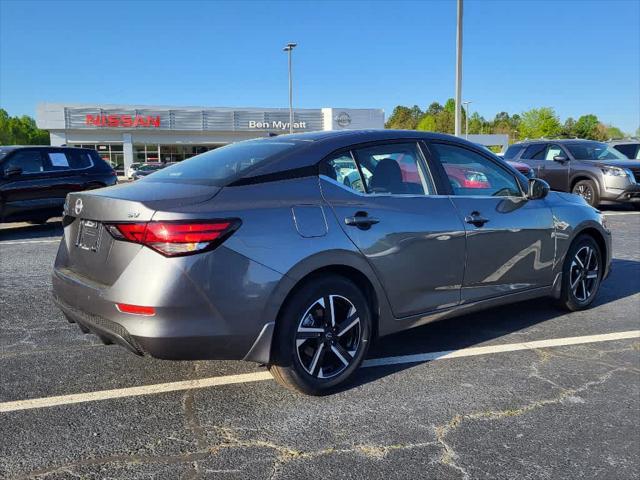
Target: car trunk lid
93	253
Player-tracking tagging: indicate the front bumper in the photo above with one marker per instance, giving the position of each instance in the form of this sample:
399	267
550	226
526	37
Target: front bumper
200	314
630	194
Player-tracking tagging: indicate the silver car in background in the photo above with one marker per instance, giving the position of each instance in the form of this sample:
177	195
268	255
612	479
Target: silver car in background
297	251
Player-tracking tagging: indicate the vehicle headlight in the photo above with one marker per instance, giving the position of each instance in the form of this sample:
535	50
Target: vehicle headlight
615	171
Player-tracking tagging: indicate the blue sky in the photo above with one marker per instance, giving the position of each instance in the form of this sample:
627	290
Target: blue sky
576	56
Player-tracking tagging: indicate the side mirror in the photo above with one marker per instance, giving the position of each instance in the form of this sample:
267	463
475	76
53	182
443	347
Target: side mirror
12	171
538	189
560	158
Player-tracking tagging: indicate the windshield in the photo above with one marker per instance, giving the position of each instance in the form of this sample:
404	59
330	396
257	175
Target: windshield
219	166
594	151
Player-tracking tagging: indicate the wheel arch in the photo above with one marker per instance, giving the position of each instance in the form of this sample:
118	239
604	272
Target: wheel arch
348	264
584	176
597	235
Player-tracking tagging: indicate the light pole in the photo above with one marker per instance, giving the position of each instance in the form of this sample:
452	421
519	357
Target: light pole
466	119
289	49
458	69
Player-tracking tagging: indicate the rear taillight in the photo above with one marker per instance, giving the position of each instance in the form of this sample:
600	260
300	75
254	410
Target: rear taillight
174	239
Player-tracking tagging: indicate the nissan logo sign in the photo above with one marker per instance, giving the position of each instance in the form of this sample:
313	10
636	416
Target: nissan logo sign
343	119
78	207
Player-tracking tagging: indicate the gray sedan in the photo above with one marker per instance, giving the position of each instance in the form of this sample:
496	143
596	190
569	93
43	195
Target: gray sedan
297	251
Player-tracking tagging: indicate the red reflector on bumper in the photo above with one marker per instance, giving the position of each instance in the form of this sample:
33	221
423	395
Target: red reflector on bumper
136	309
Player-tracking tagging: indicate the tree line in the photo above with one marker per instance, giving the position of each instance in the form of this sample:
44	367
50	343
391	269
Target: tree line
21	131
534	123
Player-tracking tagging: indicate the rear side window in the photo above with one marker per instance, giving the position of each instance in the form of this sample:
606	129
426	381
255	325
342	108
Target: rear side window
513	151
79	159
224	164
343	169
58	161
535	152
393	169
30	161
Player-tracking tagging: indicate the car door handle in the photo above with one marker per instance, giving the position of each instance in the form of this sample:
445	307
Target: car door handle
476	219
361	220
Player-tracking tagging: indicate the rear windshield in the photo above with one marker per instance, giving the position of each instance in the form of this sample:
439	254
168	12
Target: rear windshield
225	164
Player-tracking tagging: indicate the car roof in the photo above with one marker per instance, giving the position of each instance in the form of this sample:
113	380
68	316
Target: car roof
11	148
314	146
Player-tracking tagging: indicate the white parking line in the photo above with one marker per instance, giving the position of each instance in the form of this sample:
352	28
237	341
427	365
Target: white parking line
621	213
260	376
21	242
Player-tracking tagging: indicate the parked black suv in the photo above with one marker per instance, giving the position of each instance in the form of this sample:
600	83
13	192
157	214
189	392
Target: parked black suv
34	181
593	170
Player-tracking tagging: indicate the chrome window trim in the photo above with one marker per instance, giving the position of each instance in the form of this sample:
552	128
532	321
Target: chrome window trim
386	195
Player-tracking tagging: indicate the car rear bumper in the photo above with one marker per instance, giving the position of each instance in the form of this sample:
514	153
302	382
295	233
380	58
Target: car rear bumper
224	318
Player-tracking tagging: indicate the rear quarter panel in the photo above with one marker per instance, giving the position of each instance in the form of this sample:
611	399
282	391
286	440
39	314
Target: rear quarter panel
269	234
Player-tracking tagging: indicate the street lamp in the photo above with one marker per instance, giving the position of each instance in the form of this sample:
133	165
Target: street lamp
466	119
458	69
289	49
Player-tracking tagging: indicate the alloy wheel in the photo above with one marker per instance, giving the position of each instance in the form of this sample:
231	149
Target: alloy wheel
585	192
583	273
328	336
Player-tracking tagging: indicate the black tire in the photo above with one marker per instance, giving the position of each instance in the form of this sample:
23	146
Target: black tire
588	190
578	290
315	366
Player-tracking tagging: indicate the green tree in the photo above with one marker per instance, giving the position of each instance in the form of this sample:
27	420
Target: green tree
539	122
568	129
427	123
21	131
477	124
434	109
404	118
613	132
587	127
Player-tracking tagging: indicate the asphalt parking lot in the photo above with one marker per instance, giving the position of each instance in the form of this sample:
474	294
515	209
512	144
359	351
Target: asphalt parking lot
506	393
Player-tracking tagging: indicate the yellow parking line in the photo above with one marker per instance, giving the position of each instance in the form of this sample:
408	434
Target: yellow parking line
260	376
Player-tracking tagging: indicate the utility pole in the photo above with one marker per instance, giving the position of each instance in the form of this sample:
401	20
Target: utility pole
458	117
289	49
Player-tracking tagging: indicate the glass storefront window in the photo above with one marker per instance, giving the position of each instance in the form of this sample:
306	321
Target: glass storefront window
114	154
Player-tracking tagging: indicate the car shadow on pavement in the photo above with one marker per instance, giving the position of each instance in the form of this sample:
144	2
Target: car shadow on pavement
25	231
491	324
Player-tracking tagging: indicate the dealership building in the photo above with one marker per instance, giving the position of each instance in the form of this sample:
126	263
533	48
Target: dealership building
124	134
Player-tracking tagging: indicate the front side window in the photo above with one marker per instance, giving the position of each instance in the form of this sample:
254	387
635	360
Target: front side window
394	169
535	152
554	151
470	173
30	161
594	151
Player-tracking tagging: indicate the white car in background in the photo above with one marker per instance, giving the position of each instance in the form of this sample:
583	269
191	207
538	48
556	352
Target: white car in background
132	169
